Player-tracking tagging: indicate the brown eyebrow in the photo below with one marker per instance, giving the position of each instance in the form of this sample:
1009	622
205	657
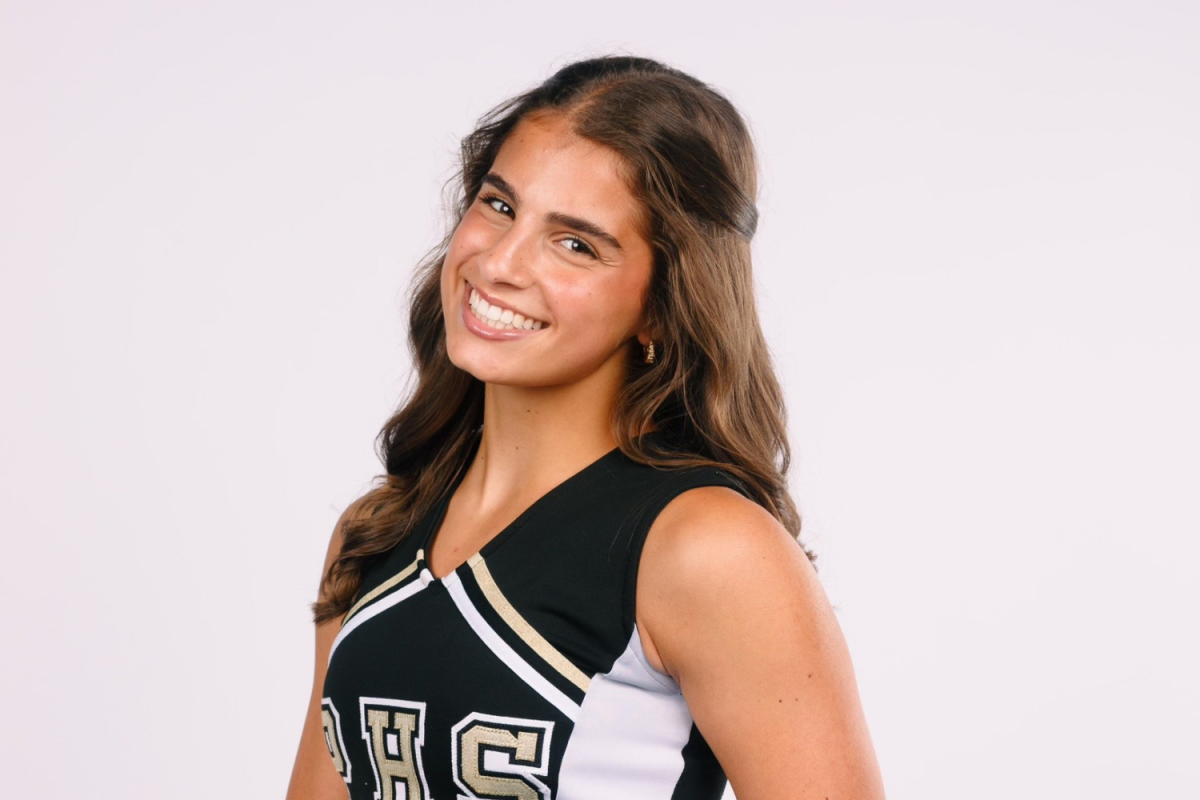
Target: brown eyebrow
577	223
590	228
502	185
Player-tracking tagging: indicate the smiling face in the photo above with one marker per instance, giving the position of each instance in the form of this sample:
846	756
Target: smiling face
545	280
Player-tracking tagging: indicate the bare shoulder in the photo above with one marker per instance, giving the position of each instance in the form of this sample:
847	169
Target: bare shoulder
713	538
719	519
338	538
715	562
729	605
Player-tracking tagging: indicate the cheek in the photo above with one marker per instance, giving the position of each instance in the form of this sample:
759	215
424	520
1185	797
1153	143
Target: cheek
454	251
612	307
473	235
455	255
447	281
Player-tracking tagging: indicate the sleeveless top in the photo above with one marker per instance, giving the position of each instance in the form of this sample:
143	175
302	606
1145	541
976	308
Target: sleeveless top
521	673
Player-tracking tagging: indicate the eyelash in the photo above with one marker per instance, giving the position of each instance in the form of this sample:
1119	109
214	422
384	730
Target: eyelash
490	199
585	248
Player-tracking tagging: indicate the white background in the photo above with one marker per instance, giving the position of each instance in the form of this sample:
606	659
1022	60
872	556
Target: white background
978	273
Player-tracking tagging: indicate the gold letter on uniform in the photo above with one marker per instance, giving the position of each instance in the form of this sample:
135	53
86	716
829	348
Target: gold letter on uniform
332	723
524	746
395	731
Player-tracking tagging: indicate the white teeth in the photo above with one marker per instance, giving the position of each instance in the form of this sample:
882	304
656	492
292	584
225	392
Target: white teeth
500	318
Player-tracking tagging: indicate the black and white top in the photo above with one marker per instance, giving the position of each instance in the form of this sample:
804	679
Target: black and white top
520	674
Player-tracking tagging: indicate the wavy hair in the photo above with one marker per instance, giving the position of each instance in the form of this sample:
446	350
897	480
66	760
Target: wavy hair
712	391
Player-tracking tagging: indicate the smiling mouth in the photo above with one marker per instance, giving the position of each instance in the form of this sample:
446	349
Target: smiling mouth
499	317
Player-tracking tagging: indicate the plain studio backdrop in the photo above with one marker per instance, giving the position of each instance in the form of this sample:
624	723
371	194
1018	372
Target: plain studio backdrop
977	270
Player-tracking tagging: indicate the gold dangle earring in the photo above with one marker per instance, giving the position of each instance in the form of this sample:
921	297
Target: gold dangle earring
648	352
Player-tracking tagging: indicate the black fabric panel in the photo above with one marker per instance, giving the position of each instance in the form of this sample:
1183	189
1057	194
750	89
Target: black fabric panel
510	637
423	650
557	569
633	535
568	564
400	556
702	778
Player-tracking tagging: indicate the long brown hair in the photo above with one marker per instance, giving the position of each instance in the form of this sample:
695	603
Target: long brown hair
712	391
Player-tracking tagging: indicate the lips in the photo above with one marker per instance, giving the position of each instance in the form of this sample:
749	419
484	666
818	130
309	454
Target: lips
489	319
499	316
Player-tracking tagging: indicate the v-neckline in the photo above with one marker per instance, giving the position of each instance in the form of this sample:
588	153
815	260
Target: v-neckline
439	516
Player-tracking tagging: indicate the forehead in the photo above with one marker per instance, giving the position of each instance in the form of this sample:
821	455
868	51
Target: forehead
554	169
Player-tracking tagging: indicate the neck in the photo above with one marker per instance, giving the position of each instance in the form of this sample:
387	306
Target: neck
533	439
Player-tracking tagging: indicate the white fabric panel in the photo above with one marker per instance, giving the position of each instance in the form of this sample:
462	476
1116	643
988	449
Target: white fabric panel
628	740
505	653
378	608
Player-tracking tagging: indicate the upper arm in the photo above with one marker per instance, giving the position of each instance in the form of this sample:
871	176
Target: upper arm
313	774
729	605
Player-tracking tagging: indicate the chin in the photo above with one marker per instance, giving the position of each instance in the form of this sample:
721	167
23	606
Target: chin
478	368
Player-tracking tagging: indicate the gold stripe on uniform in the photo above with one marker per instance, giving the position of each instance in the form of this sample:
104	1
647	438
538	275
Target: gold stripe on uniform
383	587
522	628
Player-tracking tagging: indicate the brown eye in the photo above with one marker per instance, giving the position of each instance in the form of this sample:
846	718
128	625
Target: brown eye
498	205
579	246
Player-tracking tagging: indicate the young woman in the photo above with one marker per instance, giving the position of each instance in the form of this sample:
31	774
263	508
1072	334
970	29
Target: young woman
580	578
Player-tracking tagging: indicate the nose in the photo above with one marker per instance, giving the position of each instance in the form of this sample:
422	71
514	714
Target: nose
509	259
